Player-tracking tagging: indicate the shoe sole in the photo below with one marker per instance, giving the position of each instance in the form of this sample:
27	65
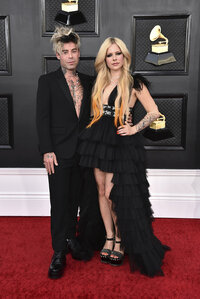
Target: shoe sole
116	265
55	276
105	259
105	262
112	263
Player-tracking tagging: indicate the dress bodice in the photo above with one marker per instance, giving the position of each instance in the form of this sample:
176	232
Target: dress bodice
138	81
112	97
109	109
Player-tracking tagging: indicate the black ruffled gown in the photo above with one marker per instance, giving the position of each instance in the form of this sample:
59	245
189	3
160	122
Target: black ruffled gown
124	156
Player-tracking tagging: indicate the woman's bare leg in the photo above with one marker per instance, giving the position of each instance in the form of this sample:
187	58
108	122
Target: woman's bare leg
108	187
104	205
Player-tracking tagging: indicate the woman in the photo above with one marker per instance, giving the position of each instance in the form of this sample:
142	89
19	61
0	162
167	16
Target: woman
115	150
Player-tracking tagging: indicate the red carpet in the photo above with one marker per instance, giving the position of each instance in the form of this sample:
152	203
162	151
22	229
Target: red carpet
25	255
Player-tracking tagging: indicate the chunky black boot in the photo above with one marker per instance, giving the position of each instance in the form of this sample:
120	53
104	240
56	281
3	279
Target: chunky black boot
77	252
58	264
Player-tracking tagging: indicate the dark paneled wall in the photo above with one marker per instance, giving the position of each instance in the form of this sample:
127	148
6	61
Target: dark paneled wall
26	52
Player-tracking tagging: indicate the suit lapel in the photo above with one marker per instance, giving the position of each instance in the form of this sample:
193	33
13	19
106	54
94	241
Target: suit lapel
84	84
65	88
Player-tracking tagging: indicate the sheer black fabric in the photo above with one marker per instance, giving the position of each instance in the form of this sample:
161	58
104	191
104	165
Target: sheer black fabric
124	156
90	229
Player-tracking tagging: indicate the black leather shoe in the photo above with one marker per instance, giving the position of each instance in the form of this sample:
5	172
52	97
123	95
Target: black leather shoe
75	249
58	264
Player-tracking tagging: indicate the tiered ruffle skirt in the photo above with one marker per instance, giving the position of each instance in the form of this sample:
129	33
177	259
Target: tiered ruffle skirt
124	156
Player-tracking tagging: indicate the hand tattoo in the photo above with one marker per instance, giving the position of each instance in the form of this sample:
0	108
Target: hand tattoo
146	121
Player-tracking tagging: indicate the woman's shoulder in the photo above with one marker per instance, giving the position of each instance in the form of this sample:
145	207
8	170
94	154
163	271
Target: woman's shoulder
139	81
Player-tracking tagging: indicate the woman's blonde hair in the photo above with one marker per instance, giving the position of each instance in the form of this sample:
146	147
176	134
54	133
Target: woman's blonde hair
103	79
64	35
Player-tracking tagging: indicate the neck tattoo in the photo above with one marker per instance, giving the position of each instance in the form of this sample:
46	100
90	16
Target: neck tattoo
67	73
64	70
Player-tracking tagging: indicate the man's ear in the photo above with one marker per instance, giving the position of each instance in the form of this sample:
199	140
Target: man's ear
58	55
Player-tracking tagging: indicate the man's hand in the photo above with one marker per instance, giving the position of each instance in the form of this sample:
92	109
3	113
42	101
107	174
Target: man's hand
49	160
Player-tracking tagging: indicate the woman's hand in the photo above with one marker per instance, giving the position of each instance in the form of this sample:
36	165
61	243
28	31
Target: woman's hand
126	130
130	119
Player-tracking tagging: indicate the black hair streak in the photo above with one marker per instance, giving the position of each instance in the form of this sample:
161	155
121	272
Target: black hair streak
68	38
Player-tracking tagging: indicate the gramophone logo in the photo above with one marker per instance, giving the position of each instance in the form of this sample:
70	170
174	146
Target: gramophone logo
69	14
70	5
159	48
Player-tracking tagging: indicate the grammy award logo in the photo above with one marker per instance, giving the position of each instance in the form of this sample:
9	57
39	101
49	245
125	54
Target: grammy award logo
69	14
159	48
70	5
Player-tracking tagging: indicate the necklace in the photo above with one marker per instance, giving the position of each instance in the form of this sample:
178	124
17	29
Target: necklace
73	84
71	76
76	90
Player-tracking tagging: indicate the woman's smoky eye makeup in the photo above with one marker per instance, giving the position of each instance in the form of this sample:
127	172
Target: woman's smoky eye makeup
110	55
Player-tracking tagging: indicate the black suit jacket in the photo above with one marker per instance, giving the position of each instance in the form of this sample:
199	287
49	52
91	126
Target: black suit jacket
57	123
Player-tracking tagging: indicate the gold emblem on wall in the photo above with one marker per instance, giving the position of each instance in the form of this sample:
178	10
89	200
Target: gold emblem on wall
159	48
69	14
70	5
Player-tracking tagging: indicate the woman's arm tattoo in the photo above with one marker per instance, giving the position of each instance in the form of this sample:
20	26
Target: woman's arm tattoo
146	121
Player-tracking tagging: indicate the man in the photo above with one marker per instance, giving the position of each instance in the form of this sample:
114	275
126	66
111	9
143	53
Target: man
63	110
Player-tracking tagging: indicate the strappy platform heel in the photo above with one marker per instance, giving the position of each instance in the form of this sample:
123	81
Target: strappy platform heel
118	260
105	258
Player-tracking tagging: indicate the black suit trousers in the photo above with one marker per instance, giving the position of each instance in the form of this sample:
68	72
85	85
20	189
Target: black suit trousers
64	186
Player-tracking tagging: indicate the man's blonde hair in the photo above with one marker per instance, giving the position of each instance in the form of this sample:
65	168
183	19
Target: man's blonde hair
64	35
